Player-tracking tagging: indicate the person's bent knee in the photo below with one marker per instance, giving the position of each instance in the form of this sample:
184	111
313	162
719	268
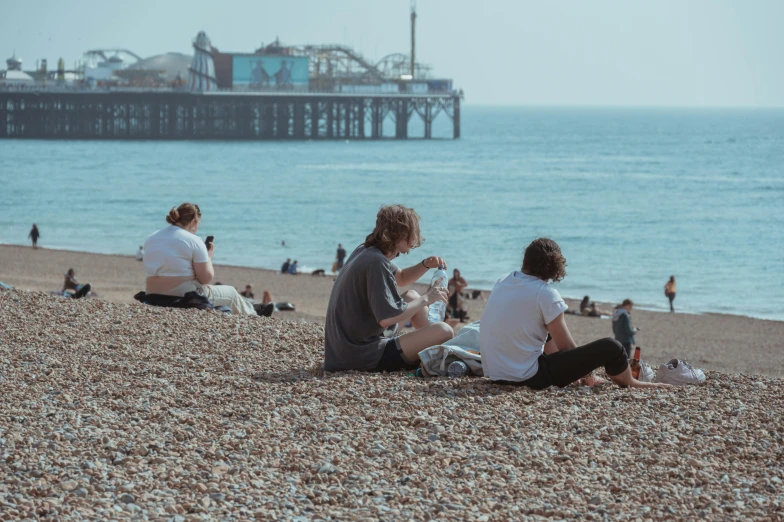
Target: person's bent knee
410	295
444	330
616	360
611	344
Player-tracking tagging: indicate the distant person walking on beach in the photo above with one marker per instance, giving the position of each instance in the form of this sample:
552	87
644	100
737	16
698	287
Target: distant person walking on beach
140	253
669	291
341	256
34	235
622	326
177	261
524	337
365	308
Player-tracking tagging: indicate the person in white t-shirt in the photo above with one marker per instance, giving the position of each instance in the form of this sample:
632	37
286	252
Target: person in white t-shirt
140	253
177	261
524	337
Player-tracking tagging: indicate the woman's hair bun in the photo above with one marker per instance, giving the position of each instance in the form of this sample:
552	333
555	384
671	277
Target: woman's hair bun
173	216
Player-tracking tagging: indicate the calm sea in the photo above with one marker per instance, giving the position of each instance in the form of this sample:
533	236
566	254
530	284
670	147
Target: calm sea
631	195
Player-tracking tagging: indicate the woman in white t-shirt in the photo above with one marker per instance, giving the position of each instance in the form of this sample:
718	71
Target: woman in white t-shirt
524	337
177	262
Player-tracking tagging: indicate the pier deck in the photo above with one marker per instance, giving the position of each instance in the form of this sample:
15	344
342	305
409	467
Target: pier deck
173	115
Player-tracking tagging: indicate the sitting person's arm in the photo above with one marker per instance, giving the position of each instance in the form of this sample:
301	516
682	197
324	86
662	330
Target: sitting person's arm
561	337
204	271
433	295
407	276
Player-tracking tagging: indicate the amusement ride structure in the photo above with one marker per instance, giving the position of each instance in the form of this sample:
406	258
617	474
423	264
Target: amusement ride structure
276	92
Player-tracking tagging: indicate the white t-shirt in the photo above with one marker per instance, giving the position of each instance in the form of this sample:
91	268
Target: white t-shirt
172	251
513	329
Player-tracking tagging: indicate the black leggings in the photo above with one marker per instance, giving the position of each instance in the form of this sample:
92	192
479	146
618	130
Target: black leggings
563	368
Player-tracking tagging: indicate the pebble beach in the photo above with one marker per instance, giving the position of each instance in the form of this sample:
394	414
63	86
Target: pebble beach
116	410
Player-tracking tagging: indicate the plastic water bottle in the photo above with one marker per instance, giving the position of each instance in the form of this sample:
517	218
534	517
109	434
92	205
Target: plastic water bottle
455	367
437	309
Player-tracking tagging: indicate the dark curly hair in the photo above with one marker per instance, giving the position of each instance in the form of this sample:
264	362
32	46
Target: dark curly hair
543	259
393	223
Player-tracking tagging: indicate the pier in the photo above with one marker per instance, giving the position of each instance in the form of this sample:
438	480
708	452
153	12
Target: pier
172	115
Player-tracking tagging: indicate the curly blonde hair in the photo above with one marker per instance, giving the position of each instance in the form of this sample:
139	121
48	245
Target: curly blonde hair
393	223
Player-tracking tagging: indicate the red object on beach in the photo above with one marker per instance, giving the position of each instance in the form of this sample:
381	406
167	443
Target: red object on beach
634	364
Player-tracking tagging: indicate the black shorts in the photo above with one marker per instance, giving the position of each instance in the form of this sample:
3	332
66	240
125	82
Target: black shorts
392	359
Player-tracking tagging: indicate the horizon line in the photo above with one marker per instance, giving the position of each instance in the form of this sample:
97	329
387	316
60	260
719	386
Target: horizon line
617	106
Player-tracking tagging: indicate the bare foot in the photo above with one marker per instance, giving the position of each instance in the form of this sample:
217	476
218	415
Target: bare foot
592	380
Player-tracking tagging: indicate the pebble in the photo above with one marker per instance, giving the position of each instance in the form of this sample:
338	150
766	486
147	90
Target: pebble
184	414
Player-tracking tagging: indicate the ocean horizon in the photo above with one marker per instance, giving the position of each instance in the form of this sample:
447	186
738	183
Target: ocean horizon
632	195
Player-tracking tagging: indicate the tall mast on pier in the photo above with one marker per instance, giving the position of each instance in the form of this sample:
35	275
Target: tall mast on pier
413	33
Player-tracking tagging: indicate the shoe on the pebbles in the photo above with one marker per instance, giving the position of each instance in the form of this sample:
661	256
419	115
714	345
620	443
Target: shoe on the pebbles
646	372
83	291
679	373
264	310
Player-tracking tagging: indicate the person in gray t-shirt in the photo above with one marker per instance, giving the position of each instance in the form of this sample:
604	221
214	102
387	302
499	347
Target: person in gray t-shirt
365	307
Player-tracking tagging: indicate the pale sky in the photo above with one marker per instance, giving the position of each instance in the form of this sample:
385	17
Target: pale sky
512	52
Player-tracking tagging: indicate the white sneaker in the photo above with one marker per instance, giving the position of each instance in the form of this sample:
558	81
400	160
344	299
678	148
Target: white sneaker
646	372
679	373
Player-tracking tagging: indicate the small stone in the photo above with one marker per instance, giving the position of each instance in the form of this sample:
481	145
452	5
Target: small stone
81	492
127	498
69	485
219	497
595	501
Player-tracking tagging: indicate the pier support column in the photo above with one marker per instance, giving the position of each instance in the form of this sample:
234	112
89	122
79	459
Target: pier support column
428	120
330	118
267	121
315	112
456	118
361	119
348	130
4	117
401	118
377	130
282	120
155	120
299	120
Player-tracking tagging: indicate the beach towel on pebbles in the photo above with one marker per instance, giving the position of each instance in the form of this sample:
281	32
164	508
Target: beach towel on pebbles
464	346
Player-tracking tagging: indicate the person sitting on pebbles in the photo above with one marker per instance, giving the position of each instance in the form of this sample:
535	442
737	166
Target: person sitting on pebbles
177	262
72	288
366	309
524	337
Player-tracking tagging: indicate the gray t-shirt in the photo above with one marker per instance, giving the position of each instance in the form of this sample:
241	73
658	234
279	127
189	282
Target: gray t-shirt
365	293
